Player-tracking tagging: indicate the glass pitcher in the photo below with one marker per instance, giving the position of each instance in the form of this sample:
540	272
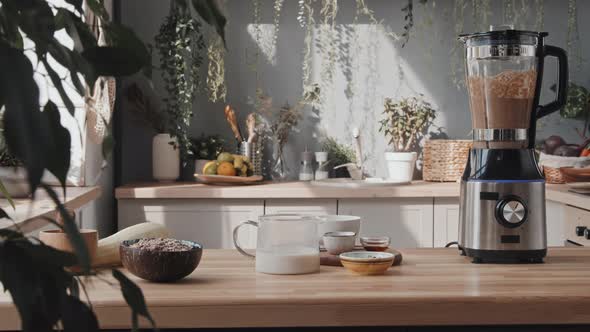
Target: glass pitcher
286	244
504	69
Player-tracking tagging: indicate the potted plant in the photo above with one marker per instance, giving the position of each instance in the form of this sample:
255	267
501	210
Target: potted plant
404	124
12	175
205	149
338	154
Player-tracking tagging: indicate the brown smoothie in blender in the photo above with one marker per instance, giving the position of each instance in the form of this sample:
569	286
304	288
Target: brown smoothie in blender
503	101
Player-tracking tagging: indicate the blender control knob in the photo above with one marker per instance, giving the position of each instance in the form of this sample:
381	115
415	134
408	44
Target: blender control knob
580	230
511	212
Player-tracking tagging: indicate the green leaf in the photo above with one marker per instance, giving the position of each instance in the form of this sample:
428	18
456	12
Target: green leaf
97	7
38	23
23	128
57	83
134	298
71	229
77	316
9	27
78	30
58	147
211	13
77	5
6	195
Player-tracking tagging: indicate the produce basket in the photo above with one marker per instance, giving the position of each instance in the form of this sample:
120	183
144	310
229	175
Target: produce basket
551	164
444	159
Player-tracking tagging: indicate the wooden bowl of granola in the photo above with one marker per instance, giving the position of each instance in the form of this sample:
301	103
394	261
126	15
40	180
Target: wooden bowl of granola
160	260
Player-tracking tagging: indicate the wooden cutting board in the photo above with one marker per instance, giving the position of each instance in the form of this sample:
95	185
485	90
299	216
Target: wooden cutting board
334	260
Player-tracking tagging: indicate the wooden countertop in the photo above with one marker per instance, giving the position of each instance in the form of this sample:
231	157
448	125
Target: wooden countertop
27	213
283	190
555	192
431	287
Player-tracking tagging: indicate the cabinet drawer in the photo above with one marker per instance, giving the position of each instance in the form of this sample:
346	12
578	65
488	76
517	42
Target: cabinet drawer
575	217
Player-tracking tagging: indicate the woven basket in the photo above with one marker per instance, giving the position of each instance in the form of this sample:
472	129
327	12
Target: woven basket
553	175
444	160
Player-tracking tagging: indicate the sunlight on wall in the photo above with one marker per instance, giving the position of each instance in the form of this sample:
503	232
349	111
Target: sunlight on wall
265	34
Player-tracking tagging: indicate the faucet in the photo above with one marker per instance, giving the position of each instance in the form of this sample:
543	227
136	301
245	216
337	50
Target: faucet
355	169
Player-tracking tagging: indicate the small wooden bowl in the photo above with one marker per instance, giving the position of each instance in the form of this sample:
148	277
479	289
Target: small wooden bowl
58	239
572	174
367	262
160	266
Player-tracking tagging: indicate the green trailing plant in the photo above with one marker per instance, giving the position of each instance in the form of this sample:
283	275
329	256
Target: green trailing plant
577	105
408	11
207	147
47	295
405	122
181	46
7	159
143	108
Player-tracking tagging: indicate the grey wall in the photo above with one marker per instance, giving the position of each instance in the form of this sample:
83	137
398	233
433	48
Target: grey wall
370	67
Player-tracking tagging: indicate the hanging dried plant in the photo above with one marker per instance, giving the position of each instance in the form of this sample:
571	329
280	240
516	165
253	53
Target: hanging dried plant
573	37
456	58
328	40
278	6
216	69
481	13
540	18
408	9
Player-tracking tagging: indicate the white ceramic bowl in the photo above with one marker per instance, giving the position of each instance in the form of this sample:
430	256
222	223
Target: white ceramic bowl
339	242
337	223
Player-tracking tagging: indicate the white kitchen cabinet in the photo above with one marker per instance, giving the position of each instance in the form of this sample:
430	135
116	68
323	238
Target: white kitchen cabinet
301	206
206	221
555	216
575	217
446	220
407	221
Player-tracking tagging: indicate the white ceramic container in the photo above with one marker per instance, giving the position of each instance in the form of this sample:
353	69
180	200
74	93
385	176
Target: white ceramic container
337	223
400	165
165	159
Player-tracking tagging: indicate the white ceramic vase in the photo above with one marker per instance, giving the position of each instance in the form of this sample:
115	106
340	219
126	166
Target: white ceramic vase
165	159
400	165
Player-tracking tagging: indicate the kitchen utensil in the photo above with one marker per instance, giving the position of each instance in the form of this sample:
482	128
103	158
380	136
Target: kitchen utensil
58	239
224	179
367	262
251	126
160	266
253	150
334	260
375	243
230	116
337	223
339	242
572	174
286	244
502	205
356	136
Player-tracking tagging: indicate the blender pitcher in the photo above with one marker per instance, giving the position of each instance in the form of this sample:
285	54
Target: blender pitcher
504	69
285	244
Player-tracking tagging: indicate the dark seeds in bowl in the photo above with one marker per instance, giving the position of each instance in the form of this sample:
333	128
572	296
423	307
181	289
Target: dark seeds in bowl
146	259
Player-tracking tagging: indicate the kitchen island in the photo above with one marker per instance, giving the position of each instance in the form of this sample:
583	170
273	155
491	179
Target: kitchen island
432	287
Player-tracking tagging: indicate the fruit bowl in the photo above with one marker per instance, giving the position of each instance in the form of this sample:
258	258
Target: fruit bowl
228	180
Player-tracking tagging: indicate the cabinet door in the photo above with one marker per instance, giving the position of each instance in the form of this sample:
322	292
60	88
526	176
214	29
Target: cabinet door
301	206
407	221
206	221
446	220
555	223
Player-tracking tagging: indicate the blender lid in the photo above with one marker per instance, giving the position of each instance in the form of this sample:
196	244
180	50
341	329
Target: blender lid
504	35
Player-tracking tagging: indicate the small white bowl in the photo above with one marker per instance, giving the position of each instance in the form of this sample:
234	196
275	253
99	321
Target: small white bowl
337	223
339	242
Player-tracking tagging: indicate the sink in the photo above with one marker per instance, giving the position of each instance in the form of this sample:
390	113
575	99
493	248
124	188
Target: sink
350	183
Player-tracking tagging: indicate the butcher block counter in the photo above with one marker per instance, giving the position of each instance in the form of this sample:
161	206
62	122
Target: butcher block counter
432	287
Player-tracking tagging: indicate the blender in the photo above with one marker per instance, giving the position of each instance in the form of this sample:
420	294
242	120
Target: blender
502	206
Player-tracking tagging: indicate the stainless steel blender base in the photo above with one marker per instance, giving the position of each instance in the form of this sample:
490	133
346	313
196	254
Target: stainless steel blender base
503	221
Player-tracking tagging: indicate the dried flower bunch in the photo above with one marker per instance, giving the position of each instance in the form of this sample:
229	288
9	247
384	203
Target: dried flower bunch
406	122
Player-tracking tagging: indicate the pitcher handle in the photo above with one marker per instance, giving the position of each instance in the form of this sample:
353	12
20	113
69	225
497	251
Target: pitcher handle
236	243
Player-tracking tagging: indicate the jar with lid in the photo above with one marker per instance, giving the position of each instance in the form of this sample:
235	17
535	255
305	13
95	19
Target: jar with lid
306	169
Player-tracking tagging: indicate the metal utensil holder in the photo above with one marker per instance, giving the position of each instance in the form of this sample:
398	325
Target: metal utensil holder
254	152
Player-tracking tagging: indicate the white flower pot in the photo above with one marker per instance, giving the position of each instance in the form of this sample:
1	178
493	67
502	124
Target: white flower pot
165	159
199	164
15	181
400	165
